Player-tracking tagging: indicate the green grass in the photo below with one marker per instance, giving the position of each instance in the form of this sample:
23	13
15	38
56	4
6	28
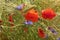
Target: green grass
16	32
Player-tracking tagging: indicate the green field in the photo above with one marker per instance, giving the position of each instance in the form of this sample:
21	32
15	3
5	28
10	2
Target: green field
16	32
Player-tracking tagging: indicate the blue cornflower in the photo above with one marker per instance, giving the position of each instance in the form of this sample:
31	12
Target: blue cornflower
52	30
58	38
28	22
19	7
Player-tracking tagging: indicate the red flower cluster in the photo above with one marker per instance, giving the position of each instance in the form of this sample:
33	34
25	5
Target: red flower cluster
48	14
41	33
32	15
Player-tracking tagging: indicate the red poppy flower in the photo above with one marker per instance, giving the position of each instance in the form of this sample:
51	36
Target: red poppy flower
48	14
41	33
10	18
31	15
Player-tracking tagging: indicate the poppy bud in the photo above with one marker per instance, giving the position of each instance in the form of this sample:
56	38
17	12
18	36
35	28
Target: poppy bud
41	33
10	18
